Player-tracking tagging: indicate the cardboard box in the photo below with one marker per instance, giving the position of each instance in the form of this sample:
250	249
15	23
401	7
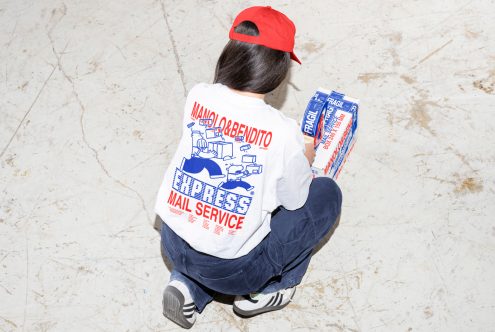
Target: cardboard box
337	117
224	150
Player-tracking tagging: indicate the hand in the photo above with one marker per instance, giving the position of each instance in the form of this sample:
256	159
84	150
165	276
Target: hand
310	152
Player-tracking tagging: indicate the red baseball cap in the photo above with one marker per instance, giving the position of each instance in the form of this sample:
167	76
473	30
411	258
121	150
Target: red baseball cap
276	30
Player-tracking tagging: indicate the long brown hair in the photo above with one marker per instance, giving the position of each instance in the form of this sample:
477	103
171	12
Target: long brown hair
250	67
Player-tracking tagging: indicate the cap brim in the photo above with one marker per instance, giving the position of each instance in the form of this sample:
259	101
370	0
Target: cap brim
295	58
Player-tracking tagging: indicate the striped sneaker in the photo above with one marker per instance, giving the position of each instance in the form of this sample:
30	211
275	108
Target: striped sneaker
178	305
256	303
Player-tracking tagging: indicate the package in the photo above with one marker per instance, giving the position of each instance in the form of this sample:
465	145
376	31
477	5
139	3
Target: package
330	121
223	150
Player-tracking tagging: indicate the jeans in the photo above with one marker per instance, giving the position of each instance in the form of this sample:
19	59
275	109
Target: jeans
279	261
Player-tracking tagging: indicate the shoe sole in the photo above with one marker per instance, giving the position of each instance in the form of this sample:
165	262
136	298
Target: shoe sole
173	301
255	312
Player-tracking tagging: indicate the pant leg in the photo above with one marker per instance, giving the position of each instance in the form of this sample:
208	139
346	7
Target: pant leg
284	254
205	275
294	234
174	249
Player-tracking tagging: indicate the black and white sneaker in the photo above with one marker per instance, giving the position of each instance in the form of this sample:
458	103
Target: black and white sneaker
256	303
178	305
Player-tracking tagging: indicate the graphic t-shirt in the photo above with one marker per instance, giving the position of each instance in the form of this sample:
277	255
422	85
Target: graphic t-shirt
238	159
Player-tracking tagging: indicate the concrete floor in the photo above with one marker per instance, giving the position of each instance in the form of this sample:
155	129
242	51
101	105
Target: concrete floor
91	96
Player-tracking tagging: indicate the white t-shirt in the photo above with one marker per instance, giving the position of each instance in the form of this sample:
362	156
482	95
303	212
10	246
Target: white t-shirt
237	161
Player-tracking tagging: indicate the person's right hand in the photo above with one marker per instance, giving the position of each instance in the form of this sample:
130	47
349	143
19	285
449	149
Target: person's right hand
310	152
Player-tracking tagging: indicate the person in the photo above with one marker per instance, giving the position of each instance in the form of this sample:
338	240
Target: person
240	208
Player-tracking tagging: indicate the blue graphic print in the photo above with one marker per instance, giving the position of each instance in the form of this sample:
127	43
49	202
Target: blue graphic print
211	152
197	164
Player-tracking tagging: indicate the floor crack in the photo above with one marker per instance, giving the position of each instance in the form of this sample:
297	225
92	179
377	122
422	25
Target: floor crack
176	53
83	131
27	113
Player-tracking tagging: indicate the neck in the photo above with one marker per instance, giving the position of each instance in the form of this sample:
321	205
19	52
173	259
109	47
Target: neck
250	94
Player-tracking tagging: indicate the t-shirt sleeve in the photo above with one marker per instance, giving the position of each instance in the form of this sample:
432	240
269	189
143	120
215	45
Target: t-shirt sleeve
293	186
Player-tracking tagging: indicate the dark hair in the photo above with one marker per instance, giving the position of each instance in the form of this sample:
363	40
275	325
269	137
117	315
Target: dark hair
251	67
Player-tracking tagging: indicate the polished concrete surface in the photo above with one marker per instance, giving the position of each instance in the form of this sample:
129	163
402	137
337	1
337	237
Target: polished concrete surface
91	98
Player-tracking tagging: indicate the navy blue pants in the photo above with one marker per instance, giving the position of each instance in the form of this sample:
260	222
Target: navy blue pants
278	262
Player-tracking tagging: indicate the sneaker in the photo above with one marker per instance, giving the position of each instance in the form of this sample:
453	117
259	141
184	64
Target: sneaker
178	305
256	303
